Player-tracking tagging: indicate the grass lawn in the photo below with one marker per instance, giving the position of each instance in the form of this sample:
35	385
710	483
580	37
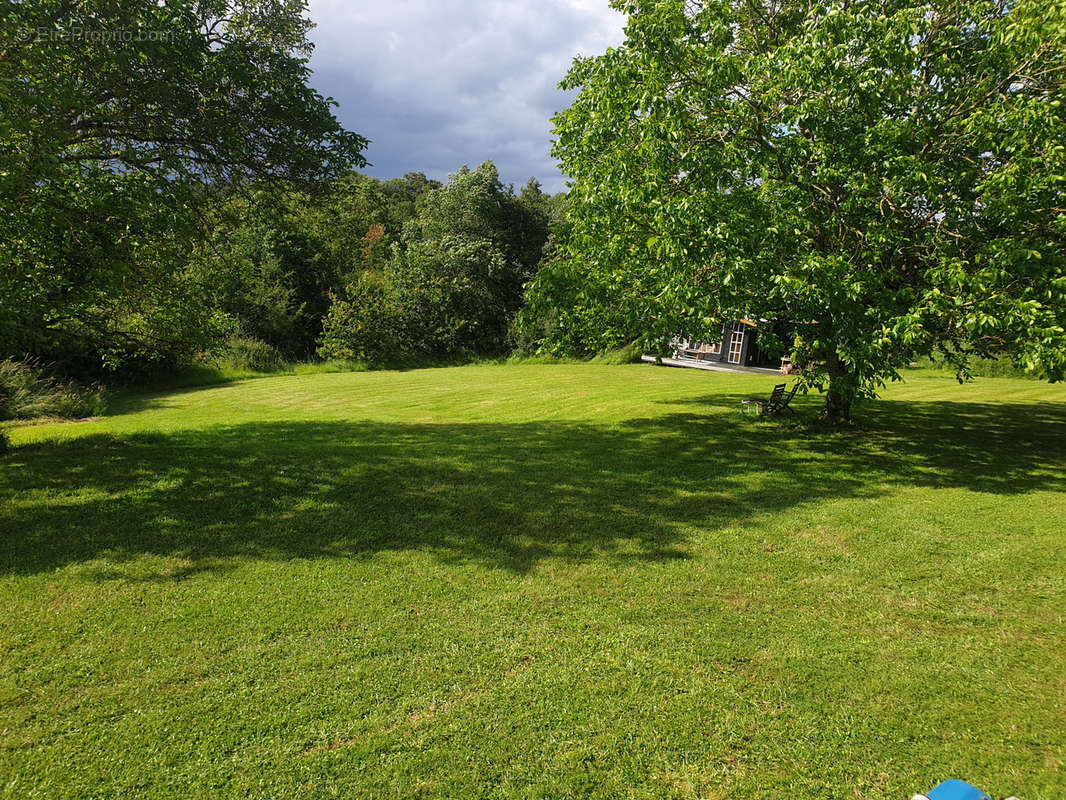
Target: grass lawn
535	581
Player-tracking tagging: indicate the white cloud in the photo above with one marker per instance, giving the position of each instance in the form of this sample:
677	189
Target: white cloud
441	83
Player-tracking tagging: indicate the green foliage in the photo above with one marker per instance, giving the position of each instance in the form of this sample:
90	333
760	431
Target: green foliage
246	353
979	367
887	178
475	205
273	261
364	324
97	282
111	150
453	283
263	271
549	211
630	354
27	391
568	312
453	293
403	193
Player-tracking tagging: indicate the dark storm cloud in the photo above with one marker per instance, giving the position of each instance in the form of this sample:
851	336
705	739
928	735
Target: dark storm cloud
436	84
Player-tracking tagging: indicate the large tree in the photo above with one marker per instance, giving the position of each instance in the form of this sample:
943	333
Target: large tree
885	177
120	119
454	281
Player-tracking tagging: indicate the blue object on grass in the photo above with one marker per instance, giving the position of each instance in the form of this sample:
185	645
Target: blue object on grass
956	790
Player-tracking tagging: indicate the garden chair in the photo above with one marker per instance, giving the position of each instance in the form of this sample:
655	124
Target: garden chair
777	403
782	403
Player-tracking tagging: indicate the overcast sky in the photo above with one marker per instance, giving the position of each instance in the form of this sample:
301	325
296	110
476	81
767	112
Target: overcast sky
436	84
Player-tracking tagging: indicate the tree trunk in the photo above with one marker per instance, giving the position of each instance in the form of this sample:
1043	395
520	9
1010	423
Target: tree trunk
838	397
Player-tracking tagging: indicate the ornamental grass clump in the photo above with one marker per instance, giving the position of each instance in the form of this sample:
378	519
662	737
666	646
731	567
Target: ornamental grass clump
27	391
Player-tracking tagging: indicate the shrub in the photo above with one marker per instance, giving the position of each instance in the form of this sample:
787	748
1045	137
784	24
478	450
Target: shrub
983	367
4	444
253	354
28	391
364	324
629	354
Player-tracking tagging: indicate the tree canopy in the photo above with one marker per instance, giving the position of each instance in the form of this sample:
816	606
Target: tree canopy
119	121
453	283
884	177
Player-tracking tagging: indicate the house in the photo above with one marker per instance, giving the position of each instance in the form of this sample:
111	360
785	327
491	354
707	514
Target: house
737	345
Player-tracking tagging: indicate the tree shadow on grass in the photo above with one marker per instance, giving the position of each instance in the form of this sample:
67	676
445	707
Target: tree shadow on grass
989	447
502	495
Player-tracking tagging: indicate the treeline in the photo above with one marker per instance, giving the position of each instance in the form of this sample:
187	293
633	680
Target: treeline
169	204
377	271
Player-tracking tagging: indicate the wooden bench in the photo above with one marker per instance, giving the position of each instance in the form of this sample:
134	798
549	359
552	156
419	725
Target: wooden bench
699	355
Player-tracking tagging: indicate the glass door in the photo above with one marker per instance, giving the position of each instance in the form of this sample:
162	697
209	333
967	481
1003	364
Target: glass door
736	343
